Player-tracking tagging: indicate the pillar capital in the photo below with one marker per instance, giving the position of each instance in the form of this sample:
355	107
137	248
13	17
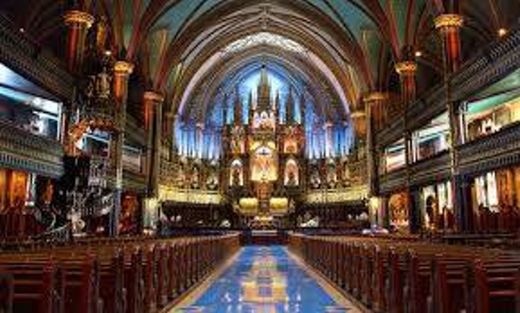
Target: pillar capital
358	114
406	68
448	21
375	96
153	96
123	68
74	17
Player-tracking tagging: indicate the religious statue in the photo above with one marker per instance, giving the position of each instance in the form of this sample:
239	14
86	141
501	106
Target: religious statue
291	181
346	175
237	140
103	84
181	178
235	176
315	179
331	176
195	179
212	181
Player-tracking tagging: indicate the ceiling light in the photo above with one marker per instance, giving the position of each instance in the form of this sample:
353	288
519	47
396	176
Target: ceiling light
502	32
418	54
108	53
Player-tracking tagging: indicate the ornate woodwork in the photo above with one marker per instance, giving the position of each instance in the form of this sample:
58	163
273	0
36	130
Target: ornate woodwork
22	150
497	150
34	63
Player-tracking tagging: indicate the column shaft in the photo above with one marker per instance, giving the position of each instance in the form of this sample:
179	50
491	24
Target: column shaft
78	23
122	71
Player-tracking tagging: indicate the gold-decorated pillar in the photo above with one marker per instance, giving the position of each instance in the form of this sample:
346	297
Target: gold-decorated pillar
152	105
448	26
122	71
78	24
374	102
407	71
157	146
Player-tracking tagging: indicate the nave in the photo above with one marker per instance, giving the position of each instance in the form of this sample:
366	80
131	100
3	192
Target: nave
265	279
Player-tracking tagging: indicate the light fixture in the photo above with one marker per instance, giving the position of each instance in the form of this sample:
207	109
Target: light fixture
108	53
22	30
418	54
502	32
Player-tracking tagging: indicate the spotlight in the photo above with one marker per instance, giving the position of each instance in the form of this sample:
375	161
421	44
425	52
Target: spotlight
22	30
502	32
108	53
418	54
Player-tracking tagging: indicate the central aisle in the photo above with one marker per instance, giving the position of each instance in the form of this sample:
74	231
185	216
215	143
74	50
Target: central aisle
265	280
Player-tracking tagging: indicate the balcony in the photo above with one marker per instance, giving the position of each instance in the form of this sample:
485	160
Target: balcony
431	170
497	150
391	132
24	151
392	181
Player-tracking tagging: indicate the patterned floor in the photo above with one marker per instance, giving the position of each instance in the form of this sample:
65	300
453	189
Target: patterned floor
265	280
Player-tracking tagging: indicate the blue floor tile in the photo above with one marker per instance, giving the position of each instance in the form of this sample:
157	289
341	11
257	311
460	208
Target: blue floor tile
264	280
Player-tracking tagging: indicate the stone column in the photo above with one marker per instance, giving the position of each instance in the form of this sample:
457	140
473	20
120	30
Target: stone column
122	71
78	23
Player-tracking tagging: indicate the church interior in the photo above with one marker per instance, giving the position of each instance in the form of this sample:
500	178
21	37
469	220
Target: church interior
252	156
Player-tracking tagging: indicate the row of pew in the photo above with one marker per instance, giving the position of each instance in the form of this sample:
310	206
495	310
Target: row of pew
397	276
109	276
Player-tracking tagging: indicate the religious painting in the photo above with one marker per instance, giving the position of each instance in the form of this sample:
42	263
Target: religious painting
291	173
129	214
505	187
264	165
398	207
17	190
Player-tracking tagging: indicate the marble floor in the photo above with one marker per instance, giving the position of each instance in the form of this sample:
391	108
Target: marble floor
265	280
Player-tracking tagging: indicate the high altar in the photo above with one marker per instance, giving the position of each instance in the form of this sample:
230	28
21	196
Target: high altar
263	153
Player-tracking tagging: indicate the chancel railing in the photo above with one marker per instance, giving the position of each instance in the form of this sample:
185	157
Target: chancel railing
174	194
347	194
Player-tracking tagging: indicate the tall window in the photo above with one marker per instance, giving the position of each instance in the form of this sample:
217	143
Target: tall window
431	139
394	156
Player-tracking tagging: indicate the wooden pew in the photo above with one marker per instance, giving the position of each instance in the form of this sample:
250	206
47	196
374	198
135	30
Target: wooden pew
32	288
